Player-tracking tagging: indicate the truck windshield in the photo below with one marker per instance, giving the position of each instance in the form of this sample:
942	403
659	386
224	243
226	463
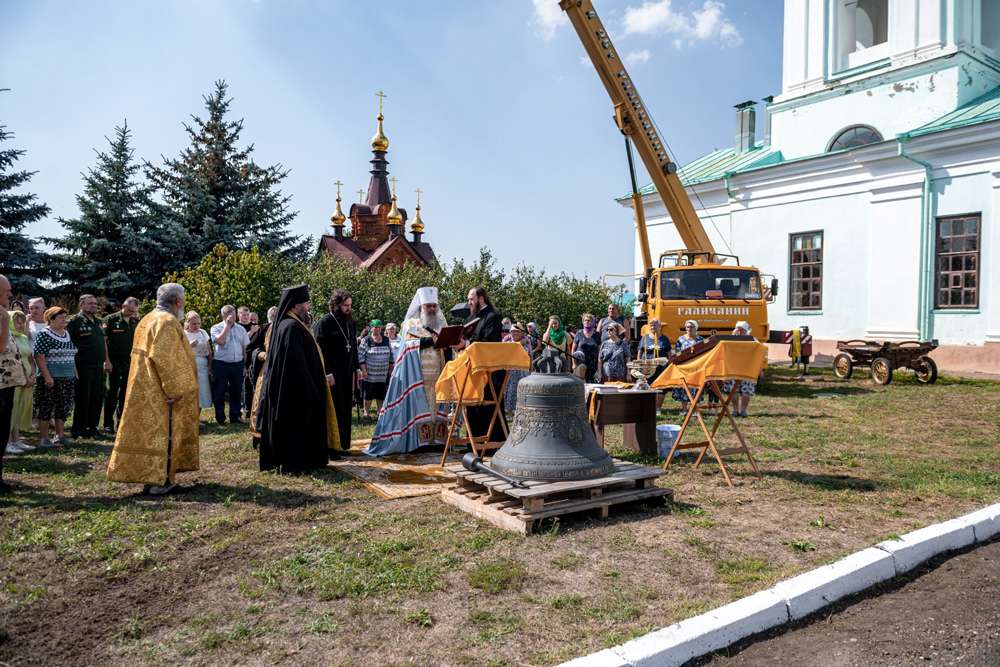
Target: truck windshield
682	284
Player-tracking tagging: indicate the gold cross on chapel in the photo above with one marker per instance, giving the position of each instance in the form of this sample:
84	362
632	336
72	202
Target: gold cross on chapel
393	181
381	96
419	192
338	184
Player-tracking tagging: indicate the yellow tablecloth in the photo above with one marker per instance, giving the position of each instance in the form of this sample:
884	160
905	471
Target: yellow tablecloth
729	360
477	362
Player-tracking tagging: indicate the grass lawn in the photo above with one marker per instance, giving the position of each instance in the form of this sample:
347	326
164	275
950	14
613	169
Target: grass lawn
256	568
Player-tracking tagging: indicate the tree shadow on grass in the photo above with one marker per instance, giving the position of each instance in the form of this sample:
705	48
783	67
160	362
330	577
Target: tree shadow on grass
207	492
808	390
794	415
46	465
825	482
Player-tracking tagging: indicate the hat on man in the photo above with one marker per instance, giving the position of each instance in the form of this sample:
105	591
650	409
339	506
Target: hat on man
375	323
423	297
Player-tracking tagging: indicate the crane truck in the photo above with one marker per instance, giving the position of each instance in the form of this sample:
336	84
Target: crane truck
695	282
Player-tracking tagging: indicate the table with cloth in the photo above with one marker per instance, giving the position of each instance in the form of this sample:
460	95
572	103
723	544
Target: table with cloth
729	360
465	381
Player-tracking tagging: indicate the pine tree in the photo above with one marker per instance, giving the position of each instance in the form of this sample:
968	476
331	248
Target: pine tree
20	260
216	193
115	246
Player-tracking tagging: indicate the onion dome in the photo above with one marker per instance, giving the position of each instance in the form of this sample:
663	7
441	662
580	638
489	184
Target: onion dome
380	142
338	217
417	226
394	217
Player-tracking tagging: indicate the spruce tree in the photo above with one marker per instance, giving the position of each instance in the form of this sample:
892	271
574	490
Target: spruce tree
115	246
20	260
216	193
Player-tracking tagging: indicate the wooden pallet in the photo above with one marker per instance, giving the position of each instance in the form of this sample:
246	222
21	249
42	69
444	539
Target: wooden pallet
521	509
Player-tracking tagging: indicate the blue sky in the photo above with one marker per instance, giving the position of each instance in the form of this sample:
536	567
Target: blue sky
490	110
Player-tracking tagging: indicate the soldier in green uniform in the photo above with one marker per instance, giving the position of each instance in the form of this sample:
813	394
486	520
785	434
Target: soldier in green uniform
91	364
119	330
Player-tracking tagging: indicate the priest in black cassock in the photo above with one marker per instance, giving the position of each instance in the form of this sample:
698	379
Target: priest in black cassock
338	339
489	329
295	416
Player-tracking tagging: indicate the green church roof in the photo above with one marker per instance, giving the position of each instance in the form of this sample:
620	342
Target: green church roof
984	108
718	163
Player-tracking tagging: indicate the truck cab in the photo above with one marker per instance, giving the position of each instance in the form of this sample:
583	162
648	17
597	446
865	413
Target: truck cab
714	290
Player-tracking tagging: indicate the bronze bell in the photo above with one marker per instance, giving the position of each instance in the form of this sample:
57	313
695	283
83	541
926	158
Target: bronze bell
550	438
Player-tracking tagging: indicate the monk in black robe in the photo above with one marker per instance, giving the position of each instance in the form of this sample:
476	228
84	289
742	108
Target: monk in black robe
338	339
295	416
489	329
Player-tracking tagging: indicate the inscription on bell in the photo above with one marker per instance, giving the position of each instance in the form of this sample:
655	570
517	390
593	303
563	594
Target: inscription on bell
550	438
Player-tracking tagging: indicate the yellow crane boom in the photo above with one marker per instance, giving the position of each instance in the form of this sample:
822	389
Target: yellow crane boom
634	121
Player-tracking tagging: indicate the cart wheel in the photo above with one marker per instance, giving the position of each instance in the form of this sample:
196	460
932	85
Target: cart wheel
843	367
881	370
926	370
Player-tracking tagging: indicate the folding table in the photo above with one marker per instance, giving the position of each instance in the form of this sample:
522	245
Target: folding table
729	360
465	382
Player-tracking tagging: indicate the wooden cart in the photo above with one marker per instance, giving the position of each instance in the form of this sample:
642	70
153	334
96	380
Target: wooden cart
884	358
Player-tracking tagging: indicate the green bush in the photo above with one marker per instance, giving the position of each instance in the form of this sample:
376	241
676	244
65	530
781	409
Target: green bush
240	277
256	279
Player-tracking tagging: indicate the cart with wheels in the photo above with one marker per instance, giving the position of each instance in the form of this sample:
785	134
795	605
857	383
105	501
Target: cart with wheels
883	358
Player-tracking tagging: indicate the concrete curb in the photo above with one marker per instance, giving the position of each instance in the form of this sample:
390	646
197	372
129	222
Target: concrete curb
797	597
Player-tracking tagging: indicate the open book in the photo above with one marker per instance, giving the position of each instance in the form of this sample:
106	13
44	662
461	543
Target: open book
452	335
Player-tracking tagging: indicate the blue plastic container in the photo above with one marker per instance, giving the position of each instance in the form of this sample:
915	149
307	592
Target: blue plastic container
665	436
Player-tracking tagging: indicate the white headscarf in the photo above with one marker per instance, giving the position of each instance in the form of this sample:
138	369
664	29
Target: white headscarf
423	296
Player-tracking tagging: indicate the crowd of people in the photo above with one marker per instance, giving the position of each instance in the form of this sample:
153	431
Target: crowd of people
293	380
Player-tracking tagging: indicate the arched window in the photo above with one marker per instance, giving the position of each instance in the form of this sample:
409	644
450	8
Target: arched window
854	136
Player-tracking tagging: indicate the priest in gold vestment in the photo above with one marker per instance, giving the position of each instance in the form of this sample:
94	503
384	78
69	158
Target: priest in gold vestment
162	382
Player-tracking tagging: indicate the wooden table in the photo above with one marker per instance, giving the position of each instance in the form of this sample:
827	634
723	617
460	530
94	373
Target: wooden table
636	410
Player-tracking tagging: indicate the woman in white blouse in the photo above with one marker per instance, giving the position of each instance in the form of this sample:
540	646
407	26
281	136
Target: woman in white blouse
202	349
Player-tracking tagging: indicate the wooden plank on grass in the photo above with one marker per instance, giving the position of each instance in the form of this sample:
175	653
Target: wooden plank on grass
486	512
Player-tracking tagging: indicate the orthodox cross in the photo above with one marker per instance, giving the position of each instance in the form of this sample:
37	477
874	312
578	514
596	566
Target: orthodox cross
418	191
380	95
393	181
361	195
338	184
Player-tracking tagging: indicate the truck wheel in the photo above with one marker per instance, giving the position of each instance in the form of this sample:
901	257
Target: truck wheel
881	370
843	367
926	370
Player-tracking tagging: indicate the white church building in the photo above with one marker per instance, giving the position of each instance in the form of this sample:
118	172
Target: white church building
874	193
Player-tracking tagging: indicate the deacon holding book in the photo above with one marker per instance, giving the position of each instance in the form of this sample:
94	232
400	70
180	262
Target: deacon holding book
488	328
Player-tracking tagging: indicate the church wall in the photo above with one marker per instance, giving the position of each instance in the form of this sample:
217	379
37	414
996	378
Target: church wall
961	195
868	204
800	130
892	222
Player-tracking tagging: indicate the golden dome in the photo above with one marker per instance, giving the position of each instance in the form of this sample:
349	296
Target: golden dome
394	217
338	217
417	226
380	142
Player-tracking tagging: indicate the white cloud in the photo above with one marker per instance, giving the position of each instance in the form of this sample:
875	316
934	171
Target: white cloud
638	57
707	24
548	18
